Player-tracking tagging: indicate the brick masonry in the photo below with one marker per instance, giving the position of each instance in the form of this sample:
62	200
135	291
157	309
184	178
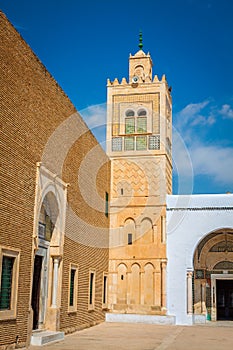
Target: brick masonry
32	106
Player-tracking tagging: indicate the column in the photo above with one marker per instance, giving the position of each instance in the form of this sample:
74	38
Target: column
189	292
142	287
56	260
128	287
163	286
163	229
157	288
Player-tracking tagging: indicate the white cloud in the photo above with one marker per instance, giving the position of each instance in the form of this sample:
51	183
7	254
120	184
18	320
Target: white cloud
212	160
193	115
226	111
94	116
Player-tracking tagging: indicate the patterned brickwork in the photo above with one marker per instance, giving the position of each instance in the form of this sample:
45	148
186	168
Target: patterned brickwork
32	107
137	98
95	259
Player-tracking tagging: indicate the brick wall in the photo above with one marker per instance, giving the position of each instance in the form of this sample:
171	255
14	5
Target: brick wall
32	106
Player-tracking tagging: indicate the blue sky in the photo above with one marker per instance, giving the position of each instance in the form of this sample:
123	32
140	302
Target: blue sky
82	43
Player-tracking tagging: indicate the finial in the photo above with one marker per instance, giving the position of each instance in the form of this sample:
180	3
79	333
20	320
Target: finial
140	45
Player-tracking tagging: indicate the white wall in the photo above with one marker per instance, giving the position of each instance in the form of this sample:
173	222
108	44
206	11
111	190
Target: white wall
189	219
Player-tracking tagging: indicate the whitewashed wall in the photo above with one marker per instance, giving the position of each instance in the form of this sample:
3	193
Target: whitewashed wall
189	220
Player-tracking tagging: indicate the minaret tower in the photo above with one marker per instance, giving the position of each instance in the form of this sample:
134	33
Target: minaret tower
139	131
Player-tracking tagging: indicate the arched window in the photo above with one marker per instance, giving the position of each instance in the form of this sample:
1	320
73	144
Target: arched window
129	113
141	112
136	123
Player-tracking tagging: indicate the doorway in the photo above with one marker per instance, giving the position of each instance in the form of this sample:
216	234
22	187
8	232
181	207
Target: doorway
224	299
36	290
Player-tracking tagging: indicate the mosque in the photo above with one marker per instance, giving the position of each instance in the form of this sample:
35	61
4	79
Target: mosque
88	236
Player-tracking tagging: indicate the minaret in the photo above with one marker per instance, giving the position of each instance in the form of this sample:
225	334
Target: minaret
139	131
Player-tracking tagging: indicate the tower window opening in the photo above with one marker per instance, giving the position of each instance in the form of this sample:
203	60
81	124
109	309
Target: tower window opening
136	123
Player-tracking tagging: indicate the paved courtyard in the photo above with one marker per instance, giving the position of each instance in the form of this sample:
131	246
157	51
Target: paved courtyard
127	336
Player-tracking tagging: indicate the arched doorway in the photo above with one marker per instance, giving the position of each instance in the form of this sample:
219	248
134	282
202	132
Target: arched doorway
47	227
213	276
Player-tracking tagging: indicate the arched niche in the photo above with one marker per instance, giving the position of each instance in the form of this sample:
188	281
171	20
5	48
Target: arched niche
129	231
135	284
146	231
121	284
149	284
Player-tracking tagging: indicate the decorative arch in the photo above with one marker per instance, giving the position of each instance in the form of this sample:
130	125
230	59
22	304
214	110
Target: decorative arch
149	284
146	230
48	234
135	284
121	284
129	231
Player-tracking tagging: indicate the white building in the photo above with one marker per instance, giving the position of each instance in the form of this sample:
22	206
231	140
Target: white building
200	257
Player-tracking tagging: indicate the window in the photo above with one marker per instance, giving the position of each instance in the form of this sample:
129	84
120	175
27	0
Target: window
129	125
106	204
141	143
141	125
91	301
130	238
129	143
9	270
73	288
129	113
141	112
117	144
105	279
136	124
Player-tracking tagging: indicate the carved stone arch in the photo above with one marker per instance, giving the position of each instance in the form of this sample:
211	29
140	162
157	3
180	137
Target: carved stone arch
206	238
51	202
122	264
129	231
205	245
149	264
223	265
136	263
139	70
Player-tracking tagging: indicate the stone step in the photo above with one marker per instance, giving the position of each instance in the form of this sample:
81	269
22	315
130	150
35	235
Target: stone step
44	337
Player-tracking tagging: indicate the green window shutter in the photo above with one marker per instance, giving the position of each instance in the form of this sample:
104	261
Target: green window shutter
91	288
72	279
6	282
106	204
105	290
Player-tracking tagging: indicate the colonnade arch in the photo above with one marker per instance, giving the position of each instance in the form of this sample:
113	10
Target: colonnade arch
213	276
136	284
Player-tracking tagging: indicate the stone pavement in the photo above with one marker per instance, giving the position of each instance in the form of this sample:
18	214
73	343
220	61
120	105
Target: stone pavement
129	336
